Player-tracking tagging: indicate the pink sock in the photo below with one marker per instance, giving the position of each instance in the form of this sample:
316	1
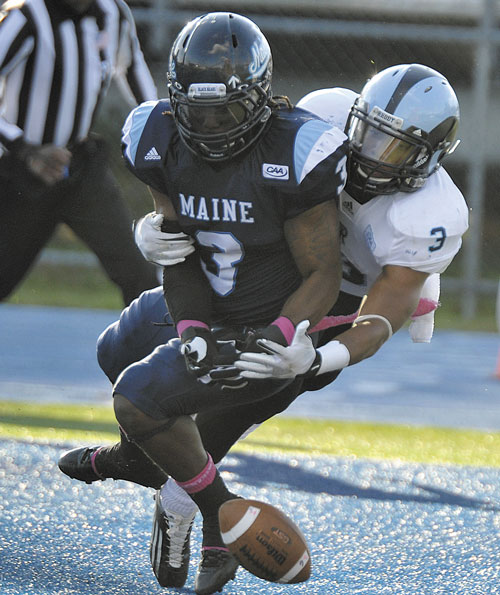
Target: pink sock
202	480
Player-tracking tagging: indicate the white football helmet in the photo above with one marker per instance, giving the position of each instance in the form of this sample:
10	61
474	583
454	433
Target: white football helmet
400	128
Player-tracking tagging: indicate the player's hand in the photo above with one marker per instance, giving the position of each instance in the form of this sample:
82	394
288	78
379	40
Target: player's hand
257	339
228	376
47	162
279	361
224	373
159	247
199	348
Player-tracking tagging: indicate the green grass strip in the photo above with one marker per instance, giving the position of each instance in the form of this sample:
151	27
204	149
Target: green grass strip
61	423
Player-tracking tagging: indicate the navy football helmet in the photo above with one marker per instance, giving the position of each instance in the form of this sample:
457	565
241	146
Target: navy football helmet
219	82
400	128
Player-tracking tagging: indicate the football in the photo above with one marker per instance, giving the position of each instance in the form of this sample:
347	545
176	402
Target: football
265	541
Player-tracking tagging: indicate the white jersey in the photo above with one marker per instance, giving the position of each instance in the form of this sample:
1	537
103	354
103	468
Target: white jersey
421	230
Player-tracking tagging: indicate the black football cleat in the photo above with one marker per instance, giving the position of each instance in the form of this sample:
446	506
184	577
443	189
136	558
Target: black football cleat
170	548
97	463
216	568
79	463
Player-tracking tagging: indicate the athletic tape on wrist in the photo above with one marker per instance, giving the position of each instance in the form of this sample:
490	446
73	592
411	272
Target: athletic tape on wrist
334	355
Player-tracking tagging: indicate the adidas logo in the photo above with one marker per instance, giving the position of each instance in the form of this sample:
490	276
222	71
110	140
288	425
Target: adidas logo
152	155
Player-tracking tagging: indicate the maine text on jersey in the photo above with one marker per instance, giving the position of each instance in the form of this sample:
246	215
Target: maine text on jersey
215	209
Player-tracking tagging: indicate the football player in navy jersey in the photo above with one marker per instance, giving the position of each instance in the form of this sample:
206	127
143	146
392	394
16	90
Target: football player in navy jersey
402	219
252	183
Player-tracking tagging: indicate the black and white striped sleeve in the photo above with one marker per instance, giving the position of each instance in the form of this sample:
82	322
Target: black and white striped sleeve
131	65
16	43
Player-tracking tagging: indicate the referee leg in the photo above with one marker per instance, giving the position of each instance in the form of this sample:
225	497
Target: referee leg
96	212
27	221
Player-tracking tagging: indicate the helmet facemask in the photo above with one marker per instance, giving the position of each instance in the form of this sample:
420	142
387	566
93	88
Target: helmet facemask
384	159
217	124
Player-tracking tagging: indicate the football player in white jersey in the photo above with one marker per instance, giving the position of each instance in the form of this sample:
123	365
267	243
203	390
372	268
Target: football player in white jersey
402	217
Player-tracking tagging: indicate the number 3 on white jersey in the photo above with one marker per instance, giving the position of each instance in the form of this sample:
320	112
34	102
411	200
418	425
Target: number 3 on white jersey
227	254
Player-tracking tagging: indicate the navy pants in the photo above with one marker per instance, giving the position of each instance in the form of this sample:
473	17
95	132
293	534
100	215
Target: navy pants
140	355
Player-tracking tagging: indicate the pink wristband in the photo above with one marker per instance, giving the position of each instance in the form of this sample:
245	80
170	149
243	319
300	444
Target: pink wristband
286	326
182	325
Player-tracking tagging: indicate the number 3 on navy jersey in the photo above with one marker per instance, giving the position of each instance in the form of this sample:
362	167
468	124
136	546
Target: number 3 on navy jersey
227	253
342	171
440	233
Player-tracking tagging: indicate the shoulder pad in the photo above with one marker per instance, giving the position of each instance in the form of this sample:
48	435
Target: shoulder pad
439	203
135	124
315	141
332	105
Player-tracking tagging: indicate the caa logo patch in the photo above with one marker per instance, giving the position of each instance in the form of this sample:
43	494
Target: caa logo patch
276	172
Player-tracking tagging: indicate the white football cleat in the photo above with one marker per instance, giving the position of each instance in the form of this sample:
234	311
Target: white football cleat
170	545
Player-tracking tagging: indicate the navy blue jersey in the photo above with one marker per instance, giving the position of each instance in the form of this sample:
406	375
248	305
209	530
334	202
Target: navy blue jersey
236	209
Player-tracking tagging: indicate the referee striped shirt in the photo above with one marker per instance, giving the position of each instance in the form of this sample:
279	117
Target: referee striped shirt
56	67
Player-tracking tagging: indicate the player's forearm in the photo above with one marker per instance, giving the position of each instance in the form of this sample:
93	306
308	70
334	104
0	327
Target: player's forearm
187	291
388	305
364	340
186	288
314	243
353	346
313	298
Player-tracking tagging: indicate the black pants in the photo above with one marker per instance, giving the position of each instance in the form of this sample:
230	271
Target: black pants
89	201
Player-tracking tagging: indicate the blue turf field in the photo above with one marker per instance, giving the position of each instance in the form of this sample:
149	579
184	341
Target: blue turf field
375	528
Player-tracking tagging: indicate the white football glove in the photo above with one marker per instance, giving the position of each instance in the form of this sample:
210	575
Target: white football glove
279	362
159	247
